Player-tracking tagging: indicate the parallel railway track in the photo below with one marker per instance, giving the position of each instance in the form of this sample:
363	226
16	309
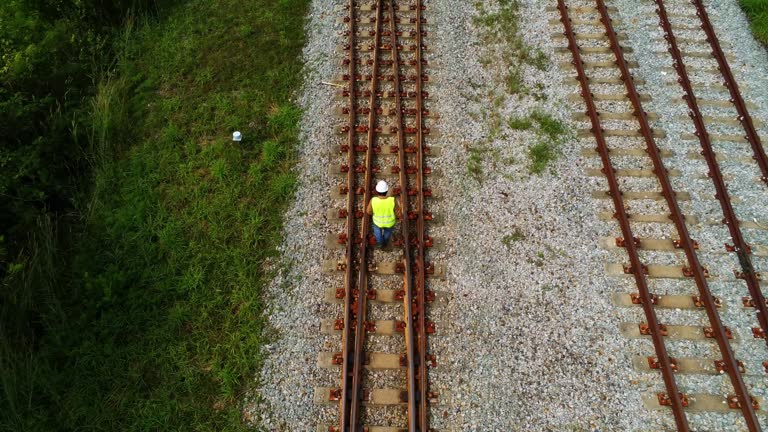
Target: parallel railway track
592	34
383	101
740	246
385	133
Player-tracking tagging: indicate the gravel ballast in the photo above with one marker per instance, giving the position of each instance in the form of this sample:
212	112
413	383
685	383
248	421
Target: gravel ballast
529	337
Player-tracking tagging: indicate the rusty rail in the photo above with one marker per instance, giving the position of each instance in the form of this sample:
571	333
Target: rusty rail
408	273
733	89
346	373
421	287
414	301
732	368
623	220
353	361
740	246
673	397
357	290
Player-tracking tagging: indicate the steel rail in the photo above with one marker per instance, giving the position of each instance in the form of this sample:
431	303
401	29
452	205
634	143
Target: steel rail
682	230
421	286
351	225
362	279
351	397
623	219
408	273
733	89
740	245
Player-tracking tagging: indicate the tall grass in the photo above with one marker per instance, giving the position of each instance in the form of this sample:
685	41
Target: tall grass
30	299
107	121
158	317
757	12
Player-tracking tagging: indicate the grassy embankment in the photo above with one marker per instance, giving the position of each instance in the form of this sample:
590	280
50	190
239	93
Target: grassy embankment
157	320
757	12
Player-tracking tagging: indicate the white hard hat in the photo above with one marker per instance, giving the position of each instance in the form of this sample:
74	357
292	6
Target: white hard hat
382	187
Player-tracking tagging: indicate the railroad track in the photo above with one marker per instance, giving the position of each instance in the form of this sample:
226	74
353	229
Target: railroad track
385	133
662	258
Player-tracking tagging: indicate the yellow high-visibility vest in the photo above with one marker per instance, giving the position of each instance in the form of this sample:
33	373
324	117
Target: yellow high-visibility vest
383	211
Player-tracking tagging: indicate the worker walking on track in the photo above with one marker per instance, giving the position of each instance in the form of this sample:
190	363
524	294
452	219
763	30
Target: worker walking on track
384	210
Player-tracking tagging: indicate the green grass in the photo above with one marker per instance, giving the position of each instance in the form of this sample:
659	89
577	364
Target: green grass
538	92
514	80
548	125
516	236
540	60
495	124
551	133
538	261
757	12
520	123
160	320
502	27
541	154
475	164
